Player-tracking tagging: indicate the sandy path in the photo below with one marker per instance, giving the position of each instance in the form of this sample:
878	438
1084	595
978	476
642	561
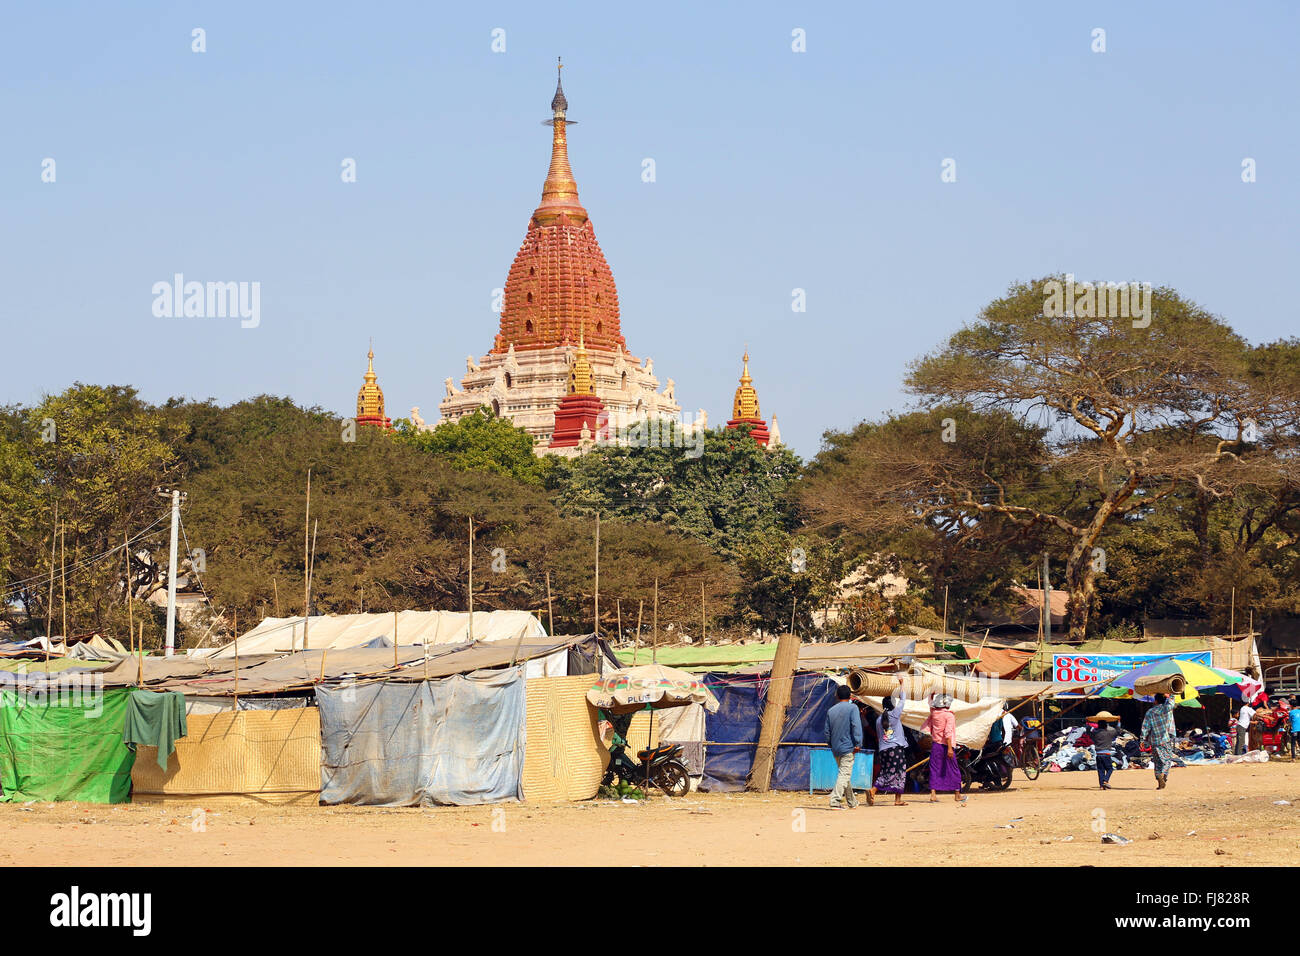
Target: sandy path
1208	816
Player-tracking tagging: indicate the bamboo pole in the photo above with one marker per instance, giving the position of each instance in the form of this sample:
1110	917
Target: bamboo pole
704	627
618	608
130	609
63	573
945	609
276	586
324	655
49	605
654	648
306	563
550	613
597	593
426	653
236	630
139	665
471	579
636	641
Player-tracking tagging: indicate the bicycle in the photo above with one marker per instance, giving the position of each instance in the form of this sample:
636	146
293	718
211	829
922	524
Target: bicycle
1029	757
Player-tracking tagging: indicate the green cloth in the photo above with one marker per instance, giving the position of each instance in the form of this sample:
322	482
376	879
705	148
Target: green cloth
60	745
713	657
155	720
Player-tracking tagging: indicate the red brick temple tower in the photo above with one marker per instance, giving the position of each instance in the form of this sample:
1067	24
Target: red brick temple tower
559	299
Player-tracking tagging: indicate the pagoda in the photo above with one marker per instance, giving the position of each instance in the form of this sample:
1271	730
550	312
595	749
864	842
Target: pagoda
560	300
581	416
370	400
745	411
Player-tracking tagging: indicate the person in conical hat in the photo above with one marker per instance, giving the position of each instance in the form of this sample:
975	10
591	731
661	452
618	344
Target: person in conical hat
1104	727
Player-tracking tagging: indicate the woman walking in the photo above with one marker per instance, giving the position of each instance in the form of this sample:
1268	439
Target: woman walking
941	726
891	749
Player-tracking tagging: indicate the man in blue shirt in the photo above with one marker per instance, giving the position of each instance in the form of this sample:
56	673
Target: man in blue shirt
844	735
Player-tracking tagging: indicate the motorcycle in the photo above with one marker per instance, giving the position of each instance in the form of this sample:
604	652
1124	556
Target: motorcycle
660	767
990	766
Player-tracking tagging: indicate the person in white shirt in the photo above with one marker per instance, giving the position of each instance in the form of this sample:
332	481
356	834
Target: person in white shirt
1009	723
1244	717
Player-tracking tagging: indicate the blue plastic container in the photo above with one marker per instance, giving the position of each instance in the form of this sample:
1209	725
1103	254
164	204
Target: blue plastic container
822	770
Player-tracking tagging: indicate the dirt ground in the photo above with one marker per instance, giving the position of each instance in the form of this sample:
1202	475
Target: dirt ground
1216	815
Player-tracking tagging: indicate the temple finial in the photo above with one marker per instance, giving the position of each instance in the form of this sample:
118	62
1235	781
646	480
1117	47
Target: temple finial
558	103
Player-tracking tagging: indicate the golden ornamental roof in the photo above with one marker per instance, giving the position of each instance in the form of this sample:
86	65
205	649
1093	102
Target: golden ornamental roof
746	404
370	397
581	379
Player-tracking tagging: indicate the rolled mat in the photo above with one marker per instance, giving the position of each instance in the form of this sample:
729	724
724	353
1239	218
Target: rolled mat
866	683
1166	684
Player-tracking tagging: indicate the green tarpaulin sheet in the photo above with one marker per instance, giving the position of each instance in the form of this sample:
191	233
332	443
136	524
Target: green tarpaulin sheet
155	720
61	746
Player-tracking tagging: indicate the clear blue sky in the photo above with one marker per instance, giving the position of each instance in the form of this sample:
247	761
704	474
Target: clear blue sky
775	170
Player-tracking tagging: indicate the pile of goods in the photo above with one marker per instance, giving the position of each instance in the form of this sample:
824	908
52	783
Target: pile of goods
1072	750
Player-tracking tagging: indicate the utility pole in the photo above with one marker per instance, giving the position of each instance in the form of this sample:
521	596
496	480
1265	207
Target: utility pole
176	496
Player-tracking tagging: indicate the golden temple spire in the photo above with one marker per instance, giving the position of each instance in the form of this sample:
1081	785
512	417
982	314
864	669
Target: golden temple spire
370	397
581	379
560	191
745	407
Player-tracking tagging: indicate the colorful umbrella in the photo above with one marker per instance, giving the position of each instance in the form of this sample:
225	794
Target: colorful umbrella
649	686
1199	678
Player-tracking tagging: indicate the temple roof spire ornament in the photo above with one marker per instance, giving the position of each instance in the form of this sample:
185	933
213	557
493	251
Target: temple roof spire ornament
745	410
370	397
558	103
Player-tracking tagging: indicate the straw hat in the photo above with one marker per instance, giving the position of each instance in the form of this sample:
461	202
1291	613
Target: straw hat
1103	715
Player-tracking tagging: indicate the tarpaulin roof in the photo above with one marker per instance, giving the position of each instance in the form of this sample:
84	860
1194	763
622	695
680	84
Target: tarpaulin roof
306	668
722	657
285	634
1004	662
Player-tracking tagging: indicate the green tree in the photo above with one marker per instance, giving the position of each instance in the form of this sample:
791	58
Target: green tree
481	442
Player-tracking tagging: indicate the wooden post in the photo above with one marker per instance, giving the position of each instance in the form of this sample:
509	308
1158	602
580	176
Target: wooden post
550	613
49	605
597	595
779	690
235	627
618	611
426	653
1232	614
654	648
945	609
471	579
704	627
130	610
306	564
63	573
275	585
139	672
636	641
794	608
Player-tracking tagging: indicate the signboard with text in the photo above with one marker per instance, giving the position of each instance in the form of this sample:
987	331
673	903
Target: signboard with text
1098	668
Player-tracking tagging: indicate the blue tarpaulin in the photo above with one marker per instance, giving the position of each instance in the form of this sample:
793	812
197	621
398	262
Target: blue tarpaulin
732	732
458	741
